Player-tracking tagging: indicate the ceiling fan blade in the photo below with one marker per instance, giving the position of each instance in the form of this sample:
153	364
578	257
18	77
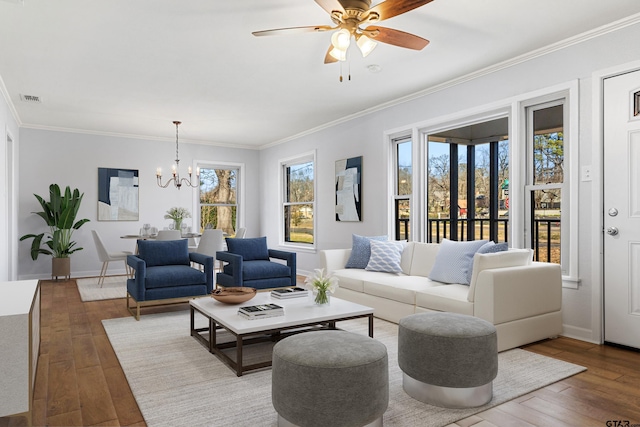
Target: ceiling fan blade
395	37
390	8
293	30
328	59
331	5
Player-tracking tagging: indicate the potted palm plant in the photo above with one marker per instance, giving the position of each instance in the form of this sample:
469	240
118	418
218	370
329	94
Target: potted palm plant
59	213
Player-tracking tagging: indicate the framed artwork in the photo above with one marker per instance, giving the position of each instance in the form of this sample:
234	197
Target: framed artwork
117	194
349	189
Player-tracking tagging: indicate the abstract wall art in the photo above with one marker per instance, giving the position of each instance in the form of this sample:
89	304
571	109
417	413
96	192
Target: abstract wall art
117	194
348	183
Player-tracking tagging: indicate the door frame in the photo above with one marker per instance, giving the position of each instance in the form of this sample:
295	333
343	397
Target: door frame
597	195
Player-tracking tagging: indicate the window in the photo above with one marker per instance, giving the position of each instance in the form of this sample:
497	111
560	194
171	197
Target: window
403	188
467	183
545	184
218	198
298	206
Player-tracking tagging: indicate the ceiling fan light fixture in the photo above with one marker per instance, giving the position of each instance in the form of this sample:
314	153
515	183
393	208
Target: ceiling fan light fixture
338	54
341	39
366	45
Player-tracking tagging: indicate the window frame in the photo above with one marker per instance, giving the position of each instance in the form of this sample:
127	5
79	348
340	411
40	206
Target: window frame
395	142
283	164
240	174
568	96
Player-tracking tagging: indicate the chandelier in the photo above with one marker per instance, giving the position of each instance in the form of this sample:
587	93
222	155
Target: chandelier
177	181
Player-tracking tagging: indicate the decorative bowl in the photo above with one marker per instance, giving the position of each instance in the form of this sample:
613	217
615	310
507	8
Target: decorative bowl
233	295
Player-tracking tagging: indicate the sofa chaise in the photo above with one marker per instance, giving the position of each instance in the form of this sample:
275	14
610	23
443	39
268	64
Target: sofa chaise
523	299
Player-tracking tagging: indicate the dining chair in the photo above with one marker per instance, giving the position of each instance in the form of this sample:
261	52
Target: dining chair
105	256
211	241
169	235
240	233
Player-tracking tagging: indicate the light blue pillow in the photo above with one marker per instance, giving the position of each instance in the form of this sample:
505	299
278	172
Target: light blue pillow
385	256
452	261
361	251
488	248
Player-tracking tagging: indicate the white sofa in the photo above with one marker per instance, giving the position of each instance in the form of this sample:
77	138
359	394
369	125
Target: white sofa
523	299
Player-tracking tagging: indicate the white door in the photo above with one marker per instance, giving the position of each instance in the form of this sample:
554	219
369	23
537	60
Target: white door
622	209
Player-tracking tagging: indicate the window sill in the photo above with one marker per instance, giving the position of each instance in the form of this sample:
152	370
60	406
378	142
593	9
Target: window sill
298	248
570	282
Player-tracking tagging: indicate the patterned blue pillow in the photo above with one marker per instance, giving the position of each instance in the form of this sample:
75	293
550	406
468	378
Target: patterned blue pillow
452	261
361	251
488	248
385	256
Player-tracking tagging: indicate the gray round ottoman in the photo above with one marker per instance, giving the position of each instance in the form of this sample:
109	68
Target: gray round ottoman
448	359
330	378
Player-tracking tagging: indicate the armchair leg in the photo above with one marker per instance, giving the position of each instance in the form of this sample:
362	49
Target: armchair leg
135	314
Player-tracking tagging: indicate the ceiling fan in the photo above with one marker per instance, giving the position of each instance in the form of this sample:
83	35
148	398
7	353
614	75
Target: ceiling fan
350	16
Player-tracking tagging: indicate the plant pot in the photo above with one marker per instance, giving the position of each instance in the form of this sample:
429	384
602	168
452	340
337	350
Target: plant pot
61	267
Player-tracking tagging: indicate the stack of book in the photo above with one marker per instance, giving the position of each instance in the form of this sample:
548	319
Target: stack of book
261	311
289	293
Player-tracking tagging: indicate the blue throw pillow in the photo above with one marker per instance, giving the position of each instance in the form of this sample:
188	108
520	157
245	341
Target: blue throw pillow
452	261
164	252
361	251
250	249
488	248
385	256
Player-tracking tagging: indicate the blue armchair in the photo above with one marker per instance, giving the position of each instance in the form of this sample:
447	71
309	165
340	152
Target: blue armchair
163	274
249	264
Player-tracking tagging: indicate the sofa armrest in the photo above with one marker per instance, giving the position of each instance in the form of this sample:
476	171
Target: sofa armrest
512	293
140	268
236	265
207	262
334	259
290	257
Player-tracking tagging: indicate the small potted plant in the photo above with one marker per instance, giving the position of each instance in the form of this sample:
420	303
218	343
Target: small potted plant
321	285
177	215
59	213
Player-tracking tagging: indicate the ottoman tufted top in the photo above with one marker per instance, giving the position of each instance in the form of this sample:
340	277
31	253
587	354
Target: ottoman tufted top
449	325
331	349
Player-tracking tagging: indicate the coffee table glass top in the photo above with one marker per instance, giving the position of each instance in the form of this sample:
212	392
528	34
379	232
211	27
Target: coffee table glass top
296	311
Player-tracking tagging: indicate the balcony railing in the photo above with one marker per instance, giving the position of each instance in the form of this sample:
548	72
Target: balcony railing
546	233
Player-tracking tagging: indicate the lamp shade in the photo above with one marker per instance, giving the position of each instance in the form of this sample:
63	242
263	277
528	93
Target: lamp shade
365	44
341	39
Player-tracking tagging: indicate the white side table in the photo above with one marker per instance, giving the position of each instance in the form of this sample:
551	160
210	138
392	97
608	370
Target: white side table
19	346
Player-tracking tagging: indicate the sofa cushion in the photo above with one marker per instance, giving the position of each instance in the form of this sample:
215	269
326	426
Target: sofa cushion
166	276
453	261
452	298
422	258
164	252
353	278
250	249
385	256
489	248
361	251
398	288
261	269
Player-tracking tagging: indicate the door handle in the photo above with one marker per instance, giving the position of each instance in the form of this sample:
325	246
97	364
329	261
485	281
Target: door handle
612	231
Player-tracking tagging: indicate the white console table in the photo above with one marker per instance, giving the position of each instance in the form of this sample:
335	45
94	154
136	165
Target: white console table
19	346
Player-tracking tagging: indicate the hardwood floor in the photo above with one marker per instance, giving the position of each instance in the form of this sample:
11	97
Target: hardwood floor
79	381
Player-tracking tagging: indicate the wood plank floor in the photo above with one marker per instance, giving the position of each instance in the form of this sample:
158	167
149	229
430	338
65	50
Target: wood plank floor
79	381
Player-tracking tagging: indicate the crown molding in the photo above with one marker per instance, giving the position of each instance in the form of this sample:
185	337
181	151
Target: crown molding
7	99
571	41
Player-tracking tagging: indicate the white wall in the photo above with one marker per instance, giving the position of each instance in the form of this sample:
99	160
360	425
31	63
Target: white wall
365	136
8	154
73	159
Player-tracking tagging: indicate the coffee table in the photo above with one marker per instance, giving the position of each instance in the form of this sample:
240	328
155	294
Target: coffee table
300	315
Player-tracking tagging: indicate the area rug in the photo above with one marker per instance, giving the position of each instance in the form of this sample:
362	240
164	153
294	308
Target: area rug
113	287
176	381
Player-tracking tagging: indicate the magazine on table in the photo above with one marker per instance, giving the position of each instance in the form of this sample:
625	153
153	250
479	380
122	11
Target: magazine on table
289	293
261	311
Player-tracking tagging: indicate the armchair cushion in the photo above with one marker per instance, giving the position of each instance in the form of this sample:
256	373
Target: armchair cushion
164	276
260	269
249	249
164	252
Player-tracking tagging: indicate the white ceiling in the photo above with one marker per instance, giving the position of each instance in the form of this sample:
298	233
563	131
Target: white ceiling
131	67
